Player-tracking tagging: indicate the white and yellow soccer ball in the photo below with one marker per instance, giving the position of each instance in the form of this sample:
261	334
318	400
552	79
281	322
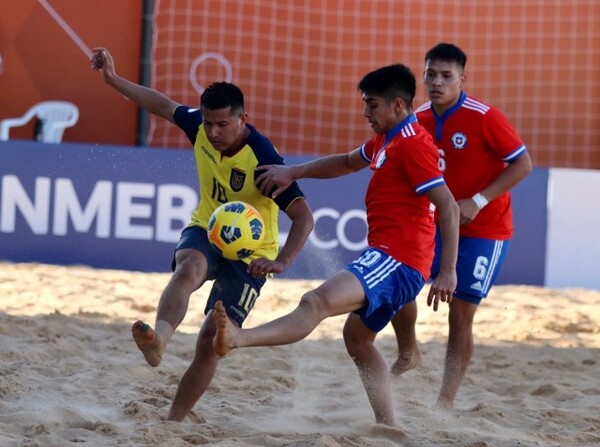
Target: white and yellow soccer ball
235	230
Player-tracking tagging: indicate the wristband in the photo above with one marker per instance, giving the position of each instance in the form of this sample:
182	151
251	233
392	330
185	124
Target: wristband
480	200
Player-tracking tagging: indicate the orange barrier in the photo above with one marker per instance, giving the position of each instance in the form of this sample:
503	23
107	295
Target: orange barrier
299	61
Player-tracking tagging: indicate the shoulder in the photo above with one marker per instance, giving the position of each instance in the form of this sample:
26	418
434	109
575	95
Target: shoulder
426	107
492	117
188	119
414	141
183	113
264	150
476	105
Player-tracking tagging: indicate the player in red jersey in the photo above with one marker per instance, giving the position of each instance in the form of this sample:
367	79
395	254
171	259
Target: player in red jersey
482	158
393	269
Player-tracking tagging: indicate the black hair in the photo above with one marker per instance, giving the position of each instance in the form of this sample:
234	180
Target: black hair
390	82
221	95
447	52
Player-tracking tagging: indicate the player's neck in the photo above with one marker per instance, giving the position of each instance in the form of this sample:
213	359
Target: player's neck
239	144
440	109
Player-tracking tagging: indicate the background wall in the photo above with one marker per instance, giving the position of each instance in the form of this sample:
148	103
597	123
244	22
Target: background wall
573	228
45	47
123	208
298	62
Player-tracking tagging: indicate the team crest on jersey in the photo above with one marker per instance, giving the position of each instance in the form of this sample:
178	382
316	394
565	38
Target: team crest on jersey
380	159
459	140
237	179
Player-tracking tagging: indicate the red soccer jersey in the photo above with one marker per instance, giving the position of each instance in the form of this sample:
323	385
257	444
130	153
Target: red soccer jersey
475	141
399	217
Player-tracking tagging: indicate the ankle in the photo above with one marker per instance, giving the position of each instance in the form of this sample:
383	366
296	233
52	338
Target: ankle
164	332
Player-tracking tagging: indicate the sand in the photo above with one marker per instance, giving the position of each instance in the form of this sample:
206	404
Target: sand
71	374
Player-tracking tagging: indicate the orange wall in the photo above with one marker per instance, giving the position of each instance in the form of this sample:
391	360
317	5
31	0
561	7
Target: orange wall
299	62
42	61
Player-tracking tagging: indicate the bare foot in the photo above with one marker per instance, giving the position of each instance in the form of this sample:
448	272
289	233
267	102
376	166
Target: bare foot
225	336
147	341
390	432
443	405
406	362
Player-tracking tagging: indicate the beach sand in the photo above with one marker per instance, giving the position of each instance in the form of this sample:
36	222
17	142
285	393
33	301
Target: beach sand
70	373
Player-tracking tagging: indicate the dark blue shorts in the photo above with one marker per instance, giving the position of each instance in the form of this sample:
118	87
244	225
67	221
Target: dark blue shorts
388	285
232	283
477	267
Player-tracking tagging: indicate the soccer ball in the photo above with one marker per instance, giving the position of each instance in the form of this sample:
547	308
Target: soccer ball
235	230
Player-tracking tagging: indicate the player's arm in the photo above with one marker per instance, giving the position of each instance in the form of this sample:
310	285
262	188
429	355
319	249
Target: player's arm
444	284
513	173
280	177
146	98
302	224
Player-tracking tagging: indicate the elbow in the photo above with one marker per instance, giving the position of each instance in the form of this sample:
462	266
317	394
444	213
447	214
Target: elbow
529	166
309	223
526	165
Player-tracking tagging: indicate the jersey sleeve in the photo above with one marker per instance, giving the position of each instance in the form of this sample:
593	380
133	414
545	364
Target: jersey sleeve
422	168
266	154
367	150
188	120
502	137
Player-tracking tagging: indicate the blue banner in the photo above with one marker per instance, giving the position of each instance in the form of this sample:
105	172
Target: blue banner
124	207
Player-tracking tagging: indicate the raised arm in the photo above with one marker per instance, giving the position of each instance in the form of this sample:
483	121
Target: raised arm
146	98
331	166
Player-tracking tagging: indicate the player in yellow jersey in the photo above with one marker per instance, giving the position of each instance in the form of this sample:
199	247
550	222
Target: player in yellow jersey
227	151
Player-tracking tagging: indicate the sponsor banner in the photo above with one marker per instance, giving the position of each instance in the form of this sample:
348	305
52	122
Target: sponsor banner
124	208
103	206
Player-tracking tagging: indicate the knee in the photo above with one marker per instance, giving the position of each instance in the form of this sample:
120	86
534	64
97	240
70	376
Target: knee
312	302
461	314
190	273
355	344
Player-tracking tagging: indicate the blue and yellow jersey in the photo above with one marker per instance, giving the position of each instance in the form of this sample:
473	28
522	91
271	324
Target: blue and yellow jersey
225	179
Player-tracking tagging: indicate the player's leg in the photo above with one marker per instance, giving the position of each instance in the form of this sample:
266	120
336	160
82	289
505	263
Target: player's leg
198	375
388	285
340	294
238	291
478	265
458	351
372	368
404	324
190	271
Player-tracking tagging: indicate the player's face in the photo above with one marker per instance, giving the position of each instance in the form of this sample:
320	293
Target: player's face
224	129
381	114
444	82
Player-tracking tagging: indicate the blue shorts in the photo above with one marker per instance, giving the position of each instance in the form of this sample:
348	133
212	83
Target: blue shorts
479	262
232	283
388	285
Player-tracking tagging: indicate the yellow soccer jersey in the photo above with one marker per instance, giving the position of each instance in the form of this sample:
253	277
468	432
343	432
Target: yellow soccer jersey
226	179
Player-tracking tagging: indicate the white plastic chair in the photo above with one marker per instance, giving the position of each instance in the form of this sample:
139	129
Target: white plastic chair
54	117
